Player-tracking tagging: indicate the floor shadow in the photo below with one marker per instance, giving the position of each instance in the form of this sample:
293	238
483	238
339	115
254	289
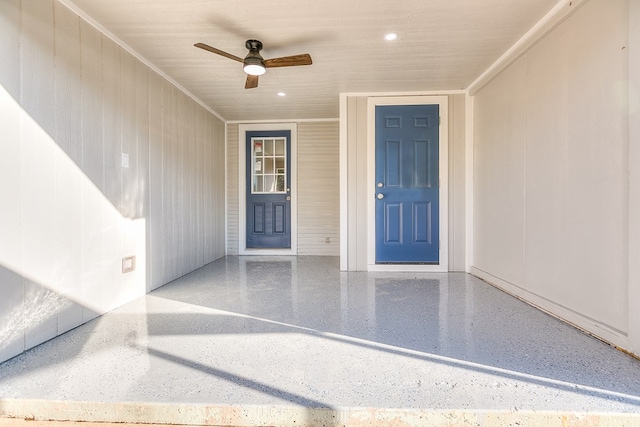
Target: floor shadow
453	316
237	379
182	325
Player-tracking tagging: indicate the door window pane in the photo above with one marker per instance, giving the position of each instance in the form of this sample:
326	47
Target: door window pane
257	184
268	166
268	157
269	184
268	147
280	143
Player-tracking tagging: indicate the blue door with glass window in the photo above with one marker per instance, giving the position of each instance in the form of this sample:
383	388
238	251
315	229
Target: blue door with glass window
407	184
268	190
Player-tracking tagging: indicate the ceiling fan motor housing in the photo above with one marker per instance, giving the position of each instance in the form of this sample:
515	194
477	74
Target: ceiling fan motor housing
254	60
253	45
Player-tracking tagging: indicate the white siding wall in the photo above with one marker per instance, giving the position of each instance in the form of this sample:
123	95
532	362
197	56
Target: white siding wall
71	102
457	183
232	189
356	159
357	184
551	137
318	188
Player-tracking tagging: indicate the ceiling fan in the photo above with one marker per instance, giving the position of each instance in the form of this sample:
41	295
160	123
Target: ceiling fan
255	65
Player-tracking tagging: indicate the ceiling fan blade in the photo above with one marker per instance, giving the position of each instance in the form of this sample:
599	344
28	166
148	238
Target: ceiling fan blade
218	51
252	82
289	61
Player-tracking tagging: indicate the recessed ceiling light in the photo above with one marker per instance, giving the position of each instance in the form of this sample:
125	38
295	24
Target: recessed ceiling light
282	94
390	36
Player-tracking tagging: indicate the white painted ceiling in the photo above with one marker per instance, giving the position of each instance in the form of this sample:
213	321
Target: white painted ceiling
443	45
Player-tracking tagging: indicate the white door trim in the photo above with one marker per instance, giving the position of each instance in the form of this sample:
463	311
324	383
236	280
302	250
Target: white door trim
443	102
242	187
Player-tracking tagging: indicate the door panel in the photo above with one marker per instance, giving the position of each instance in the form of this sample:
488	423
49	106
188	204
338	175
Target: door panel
258	218
393	223
279	218
268	192
392	164
407	184
422	222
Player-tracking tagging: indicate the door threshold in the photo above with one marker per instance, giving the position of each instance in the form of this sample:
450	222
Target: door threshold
267	251
407	263
424	268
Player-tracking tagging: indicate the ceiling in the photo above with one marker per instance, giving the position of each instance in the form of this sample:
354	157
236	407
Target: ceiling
442	45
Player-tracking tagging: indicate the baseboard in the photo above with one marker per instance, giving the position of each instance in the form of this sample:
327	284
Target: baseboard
586	324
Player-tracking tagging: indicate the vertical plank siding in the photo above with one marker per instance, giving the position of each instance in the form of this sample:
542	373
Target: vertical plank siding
11	283
68	122
72	102
549	134
38	186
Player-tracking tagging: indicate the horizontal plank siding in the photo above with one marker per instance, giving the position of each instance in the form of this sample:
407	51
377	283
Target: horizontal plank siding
232	189
318	189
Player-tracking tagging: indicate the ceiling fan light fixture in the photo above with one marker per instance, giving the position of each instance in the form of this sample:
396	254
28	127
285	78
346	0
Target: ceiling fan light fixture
254	65
254	69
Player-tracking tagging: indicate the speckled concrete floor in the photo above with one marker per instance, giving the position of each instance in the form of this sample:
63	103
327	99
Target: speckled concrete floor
294	333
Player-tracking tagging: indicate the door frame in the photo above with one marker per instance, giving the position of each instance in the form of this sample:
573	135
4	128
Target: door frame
443	164
242	188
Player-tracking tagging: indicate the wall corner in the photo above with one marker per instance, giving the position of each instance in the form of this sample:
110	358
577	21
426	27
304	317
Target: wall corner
469	165
634	178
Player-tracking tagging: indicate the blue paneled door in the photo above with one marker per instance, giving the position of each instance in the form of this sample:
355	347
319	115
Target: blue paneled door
407	184
268	190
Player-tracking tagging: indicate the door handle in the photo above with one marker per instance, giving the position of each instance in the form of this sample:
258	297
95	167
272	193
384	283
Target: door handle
380	196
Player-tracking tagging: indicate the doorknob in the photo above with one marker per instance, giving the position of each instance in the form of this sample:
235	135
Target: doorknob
380	196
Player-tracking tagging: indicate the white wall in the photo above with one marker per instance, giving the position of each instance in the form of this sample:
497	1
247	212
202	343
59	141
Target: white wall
71	102
551	173
317	183
318	188
634	176
232	189
355	221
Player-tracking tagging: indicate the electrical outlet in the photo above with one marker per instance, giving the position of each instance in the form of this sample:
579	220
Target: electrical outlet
125	160
128	264
327	240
